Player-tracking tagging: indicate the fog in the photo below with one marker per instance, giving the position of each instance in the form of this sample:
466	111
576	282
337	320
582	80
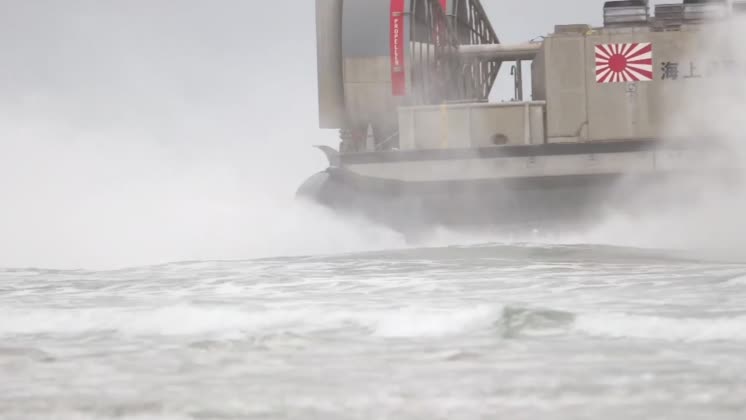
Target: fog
709	219
140	132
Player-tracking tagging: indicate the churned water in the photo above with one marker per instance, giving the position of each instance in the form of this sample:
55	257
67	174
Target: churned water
134	132
472	332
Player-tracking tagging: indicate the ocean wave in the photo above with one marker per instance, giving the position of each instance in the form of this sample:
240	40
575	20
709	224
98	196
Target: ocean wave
533	250
401	322
740	280
189	320
415	322
662	328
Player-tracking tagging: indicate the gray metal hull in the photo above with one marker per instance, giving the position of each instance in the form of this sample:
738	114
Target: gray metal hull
563	204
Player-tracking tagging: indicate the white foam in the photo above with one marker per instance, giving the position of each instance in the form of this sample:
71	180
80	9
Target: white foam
663	328
403	322
741	280
71	414
108	168
413	322
185	320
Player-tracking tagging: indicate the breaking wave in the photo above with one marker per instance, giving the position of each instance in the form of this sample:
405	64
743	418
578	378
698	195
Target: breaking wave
663	328
185	320
405	322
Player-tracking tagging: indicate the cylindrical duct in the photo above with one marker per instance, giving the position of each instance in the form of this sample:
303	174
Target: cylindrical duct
329	63
501	52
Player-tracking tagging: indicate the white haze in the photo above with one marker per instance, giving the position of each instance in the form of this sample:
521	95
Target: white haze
146	131
143	132
713	223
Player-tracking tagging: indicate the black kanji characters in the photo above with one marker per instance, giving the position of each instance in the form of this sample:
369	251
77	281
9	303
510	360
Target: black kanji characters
693	72
670	70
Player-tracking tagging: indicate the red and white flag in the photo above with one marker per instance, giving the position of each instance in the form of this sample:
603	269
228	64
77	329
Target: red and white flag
624	62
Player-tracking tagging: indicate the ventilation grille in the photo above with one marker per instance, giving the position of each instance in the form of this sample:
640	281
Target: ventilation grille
704	10
629	12
669	15
739	7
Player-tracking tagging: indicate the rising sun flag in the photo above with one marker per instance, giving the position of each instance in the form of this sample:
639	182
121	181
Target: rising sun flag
624	62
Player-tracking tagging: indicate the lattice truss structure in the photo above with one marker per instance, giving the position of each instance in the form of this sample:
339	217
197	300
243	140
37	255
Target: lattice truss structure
438	72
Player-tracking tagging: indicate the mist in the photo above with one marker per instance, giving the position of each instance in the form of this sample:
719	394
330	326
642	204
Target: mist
143	132
707	215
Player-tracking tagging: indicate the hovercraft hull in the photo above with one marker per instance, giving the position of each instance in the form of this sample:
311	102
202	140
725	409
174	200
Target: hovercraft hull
519	188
